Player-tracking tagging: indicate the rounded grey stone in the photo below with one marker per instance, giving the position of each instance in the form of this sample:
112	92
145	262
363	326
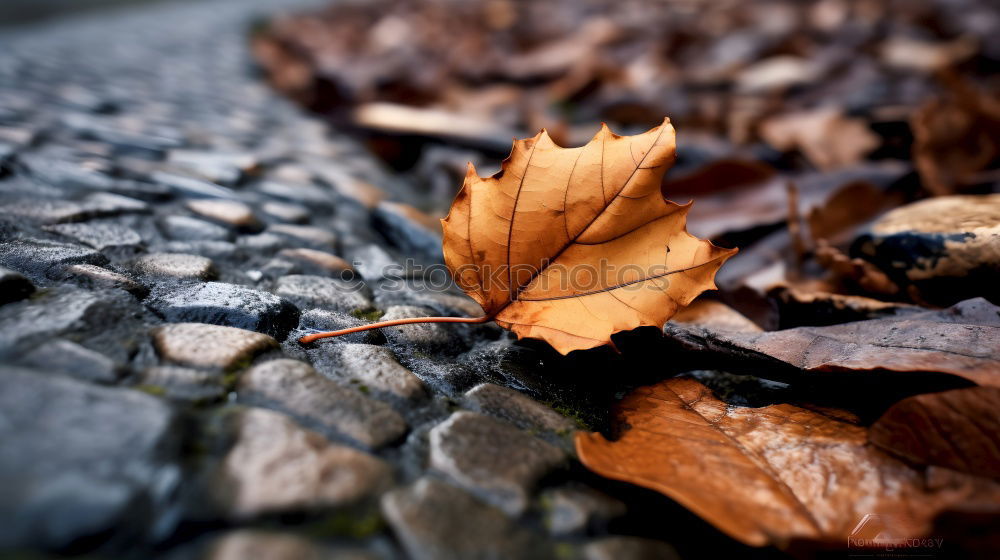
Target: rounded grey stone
226	304
492	459
42	260
320	404
372	368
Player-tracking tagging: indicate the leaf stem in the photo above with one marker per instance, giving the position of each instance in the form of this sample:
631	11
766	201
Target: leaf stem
330	334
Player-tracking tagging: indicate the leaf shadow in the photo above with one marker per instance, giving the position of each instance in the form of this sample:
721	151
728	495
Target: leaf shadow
586	385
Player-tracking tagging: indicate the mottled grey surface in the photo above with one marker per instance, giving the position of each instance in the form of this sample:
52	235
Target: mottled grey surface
168	228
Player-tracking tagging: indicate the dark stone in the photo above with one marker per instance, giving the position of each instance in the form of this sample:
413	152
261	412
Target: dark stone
108	322
14	286
316	320
448	377
80	461
226	304
41	260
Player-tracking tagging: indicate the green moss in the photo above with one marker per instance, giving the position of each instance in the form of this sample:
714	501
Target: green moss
354	524
367	314
564	551
155	390
575	415
229	379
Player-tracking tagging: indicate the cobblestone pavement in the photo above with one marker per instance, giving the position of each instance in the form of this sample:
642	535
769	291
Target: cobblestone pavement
169	227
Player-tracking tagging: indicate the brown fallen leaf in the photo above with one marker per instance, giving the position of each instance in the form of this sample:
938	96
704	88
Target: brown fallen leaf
518	241
961	340
771	475
573	245
957	429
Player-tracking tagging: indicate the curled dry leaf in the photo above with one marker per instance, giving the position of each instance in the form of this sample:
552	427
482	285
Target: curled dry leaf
771	475
805	304
960	340
955	429
572	245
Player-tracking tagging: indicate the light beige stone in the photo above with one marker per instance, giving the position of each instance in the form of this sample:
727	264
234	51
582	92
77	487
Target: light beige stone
208	346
